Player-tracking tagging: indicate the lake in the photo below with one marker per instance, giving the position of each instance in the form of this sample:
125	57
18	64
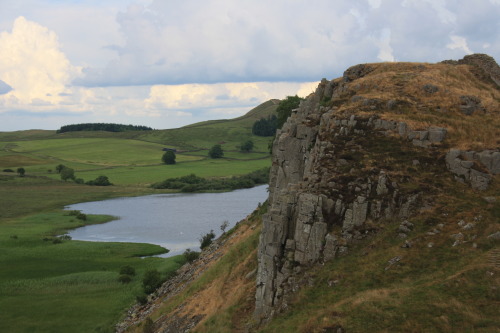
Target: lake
174	221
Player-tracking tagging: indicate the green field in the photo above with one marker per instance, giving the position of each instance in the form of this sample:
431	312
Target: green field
72	286
134	158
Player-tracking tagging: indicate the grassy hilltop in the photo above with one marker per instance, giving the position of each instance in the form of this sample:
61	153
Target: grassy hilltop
52	284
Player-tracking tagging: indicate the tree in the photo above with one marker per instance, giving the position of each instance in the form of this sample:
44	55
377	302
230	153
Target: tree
265	127
223	226
100	181
216	152
168	157
285	108
59	168
21	172
206	240
67	173
246	146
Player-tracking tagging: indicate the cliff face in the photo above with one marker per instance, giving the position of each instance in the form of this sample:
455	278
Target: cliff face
375	145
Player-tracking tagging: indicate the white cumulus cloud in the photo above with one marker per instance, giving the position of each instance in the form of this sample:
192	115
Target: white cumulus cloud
459	42
32	64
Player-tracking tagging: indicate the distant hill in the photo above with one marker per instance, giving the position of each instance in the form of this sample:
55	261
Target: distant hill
195	136
206	133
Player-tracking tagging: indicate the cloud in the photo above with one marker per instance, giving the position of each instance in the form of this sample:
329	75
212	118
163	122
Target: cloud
4	88
32	64
458	42
234	41
228	96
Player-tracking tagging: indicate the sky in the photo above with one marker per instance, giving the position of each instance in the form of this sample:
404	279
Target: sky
170	63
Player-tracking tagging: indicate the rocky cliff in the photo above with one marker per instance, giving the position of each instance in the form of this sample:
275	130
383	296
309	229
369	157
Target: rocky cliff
372	147
383	215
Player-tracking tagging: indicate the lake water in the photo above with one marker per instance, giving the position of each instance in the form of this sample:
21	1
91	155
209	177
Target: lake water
174	221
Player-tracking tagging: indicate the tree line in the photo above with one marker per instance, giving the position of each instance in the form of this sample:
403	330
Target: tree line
193	183
268	126
102	127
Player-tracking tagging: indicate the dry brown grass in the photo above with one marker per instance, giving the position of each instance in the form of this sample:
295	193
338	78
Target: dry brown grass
218	288
405	81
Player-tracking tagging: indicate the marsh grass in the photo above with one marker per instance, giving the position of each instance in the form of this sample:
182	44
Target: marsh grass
72	286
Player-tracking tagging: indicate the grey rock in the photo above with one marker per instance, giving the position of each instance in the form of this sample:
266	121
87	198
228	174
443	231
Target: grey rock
356	72
437	134
479	180
402	129
495	236
408	224
470	104
458	236
331	247
430	88
404	229
407	244
490	199
468	226
251	274
382	184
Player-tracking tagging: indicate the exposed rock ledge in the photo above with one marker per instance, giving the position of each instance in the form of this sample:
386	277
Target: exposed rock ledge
322	195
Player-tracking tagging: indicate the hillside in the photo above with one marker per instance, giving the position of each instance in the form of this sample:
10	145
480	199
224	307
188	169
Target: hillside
383	215
134	157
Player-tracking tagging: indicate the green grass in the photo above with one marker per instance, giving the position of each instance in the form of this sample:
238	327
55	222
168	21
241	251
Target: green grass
134	158
70	286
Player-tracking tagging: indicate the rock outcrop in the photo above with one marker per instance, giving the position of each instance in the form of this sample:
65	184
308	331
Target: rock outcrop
331	184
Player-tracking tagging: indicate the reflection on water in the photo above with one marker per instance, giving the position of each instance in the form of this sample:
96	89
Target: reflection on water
174	221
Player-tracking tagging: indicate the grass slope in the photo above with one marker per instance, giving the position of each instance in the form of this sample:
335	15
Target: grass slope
134	158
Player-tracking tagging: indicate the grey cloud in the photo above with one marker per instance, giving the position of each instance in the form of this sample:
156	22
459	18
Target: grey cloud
4	88
213	41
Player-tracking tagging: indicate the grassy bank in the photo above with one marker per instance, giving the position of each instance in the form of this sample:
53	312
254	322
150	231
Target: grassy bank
50	284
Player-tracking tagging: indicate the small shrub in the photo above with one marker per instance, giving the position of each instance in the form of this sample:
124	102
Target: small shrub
191	255
207	239
152	280
73	212
65	237
82	216
141	299
57	241
13	237
124	278
8	170
79	181
100	181
127	270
